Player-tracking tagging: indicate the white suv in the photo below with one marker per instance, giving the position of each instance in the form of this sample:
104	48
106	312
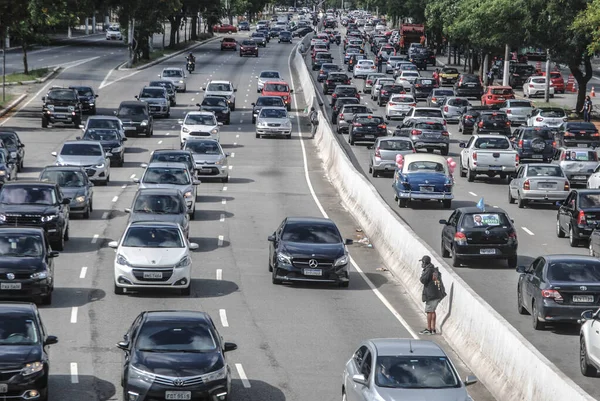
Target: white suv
221	88
589	343
199	125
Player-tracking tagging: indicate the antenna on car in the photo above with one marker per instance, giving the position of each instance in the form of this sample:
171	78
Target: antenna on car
410	346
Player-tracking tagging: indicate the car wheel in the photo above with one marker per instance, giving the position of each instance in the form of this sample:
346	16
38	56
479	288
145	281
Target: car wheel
228	121
591	249
521	202
587	369
344	284
537	325
86	214
118	290
445	252
559	231
258	136
445	151
402	202
225	180
60	244
511	200
512	262
574	242
350	140
240	54
447	203
44	122
47	299
373	172
253	120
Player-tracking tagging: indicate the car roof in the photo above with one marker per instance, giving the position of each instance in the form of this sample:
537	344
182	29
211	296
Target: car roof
394	138
406	346
428	108
299	219
153	87
202	112
173	68
131	103
64	168
201	140
168	164
424	157
114	118
24	230
30	183
176	315
499	87
174	151
264	71
474	209
274	107
21	308
574	149
276	82
83	142
368	115
570	257
154	224
215	81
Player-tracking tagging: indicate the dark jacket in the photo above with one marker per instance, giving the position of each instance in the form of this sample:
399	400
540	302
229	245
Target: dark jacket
433	288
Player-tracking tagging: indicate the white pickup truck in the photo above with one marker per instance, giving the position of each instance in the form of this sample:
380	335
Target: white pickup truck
491	155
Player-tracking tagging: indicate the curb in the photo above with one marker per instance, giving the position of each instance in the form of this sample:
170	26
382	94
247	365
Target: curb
12	105
35	81
167	57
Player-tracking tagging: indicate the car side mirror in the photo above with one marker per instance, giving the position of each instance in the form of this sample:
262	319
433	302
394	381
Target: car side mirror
51	340
235	90
21	145
462	145
124	345
109	154
96	95
271	238
348	241
81	126
359	379
113	244
442	221
203	89
78	138
136	180
197	182
291	91
115	113
194	246
137	97
54	154
229	347
43	98
180	122
253	104
144	165
521	269
53	254
219	124
66	201
127	210
470	380
586	315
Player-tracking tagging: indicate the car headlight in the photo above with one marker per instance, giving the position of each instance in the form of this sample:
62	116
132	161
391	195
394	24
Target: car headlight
144	123
284	258
217	375
288	124
121	260
2	173
91	103
39	275
117	149
100	165
181	81
13	155
214	131
342	260
184	129
71	108
261	123
48	218
188	194
32	368
2	217
220	161
50	107
80	199
138	374
185	261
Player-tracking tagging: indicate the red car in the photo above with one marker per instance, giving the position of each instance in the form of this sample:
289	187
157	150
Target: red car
281	89
224	28
557	80
228	44
248	48
497	95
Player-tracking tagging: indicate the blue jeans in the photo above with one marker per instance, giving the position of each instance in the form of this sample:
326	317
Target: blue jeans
586	116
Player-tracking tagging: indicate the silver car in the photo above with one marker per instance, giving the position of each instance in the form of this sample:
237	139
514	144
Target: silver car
87	154
370	81
171	175
267	76
392	62
221	88
578	164
273	121
454	107
157	99
175	75
383	153
517	111
538	183
210	159
437	96
162	205
378	84
347	113
402	369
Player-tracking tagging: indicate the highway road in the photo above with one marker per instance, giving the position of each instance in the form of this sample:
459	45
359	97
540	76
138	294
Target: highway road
293	340
493	281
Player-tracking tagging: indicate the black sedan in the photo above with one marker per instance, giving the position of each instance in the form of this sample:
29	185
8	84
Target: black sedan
87	98
308	249
366	127
558	288
74	183
219	106
472	234
24	346
14	146
327	68
578	215
265	101
492	122
334	79
344	91
387	91
175	355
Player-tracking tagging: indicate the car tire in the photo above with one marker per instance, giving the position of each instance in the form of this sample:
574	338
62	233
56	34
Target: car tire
228	122
445	151
344	284
60	244
470	175
258	136
118	290
587	369
373	172
511	200
574	242
225	180
445	252
537	325
402	202
447	203
241	55
559	231
256	55
520	308
86	214
44	122
521	202
512	262
350	140
275	280
456	262
253	120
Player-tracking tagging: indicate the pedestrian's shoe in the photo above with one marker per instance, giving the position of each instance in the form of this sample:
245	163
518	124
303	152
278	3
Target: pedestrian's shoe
425	331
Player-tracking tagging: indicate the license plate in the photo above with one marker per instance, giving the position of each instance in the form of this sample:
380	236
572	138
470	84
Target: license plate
3	388
471	85
313	272
583	298
426	189
204	170
546	186
501	98
157	275
369	136
10	286
579	177
487	251
178	395
537	156
495	167
128	128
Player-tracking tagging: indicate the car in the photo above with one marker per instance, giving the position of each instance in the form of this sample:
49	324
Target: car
370	81
578	163
14	147
420	58
243	26
552	117
495	95
404	66
349	52
113	33
471	234
492	122
87	98
267	76
337	107
265	101
136	118
172	156
153	254
363	68
175	75
171	90
578	215
265	34
489	154
589	361
285	37
466	122
224	28
557	81
399	105
61	106
248	47
36	204
454	107
87	154
308	249
423	177
209	158
186	346
574	133
25	346
407	78
221	88
468	85
517	111
425	112
161	205
346	115
422	87
333	80
157	99
104	122
540	183
534	144
326	68
228	44
217	105
391	63
202	124
382	157
8	167
387	90
75	185
321	58
111	140
518	74
378	83
437	95
402	369
558	288
281	89
536	86
426	133
365	127
273	121
448	76
259	38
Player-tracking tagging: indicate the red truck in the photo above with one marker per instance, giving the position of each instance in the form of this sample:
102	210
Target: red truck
411	33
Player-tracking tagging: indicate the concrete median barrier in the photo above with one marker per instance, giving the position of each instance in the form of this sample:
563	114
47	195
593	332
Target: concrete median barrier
507	364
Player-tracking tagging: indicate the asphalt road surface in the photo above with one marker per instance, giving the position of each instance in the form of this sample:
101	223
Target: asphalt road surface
293	340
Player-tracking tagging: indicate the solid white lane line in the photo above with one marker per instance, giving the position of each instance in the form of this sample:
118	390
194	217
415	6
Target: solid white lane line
132	176
224	201
224	188
74	314
222	218
232	154
220	241
223	315
237	136
472	194
235	144
115	198
528	231
219	274
230	167
104	215
159	142
74	373
83	272
124	186
95	238
242	375
105	84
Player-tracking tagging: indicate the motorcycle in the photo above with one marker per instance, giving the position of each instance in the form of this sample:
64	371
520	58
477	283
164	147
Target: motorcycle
191	65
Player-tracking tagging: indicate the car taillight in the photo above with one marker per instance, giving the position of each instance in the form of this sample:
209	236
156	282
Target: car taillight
531	86
520	144
554	144
596	134
480	124
552	294
416	132
341	116
516	160
508	123
391	103
334	95
384	92
328	82
475	156
581	217
508	111
460	238
413	105
445	133
369	82
512	235
321	72
358	96
526	185
433	99
357	125
539	119
382	126
468	117
377	152
417	86
446	109
567	186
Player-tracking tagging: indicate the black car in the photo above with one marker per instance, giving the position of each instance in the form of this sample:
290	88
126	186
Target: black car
333	80
493	122
308	249
61	105
578	215
175	355
534	143
265	101
87	98
468	85
173	156
420	58
335	109
320	59
387	90
285	37
473	234
303	31
112	142
75	185
219	106
249	48
344	91
466	122
15	148
326	68
24	349
518	74
422	87
558	288
366	127
171	90
136	118
576	133
36	204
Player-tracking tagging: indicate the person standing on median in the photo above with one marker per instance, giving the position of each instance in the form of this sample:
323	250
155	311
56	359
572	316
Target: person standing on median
587	109
433	292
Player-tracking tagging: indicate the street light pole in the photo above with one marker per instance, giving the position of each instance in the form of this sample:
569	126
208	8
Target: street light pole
4	65
547	91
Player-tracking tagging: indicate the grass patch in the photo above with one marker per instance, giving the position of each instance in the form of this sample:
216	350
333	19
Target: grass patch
541	103
9	98
20	77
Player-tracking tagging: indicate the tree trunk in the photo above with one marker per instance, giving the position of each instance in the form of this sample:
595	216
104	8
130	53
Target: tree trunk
582	80
25	65
194	28
145	49
175	22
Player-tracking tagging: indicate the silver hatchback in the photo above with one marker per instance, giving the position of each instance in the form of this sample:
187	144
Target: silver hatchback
538	183
454	107
175	75
578	164
517	110
382	157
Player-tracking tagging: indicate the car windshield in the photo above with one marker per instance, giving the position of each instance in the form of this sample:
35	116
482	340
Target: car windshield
203	147
409	74
337	77
132	110
200	119
269	101
229	40
97	123
172	74
330	67
273	113
64	178
214	101
82	91
458	102
153	237
166	175
502	91
370	120
81	149
494	117
149	93
18	330
442	92
581	155
396	145
165	157
2	158
248	43
402	99
492	143
276	88
309	233
219	88
580	126
345	91
159	204
524	69
102	135
428	113
544	171
579	272
538	80
553	113
431	372
176	336
62	94
167	85
18	245
449	71
470	78
270	74
425	167
430	126
355	109
9	139
28	195
520	103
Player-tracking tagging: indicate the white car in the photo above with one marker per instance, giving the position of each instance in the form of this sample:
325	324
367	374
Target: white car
267	76
199	124
407	76
380	27
589	342
273	121
113	32
594	180
552	117
221	88
363	68
398	106
175	75
536	86
425	112
377	86
391	63
153	255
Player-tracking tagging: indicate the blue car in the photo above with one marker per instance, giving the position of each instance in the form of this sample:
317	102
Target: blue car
423	177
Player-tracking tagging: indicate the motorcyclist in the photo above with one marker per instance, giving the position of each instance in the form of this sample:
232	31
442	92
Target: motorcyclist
191	59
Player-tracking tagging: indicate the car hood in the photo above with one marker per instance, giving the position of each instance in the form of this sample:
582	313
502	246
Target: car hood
182	188
137	118
200	128
270	93
219	93
18	355
73	192
79	160
201	158
420	394
172	79
213	108
282	121
146	256
177	364
86	98
171	218
61	103
20	264
320	251
28	209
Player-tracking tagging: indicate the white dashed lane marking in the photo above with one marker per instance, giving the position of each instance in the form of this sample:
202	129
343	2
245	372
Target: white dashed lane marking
95	238
83	272
528	231
219	274
220	240
74	314
472	194
223	315
105	215
75	373
242	375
